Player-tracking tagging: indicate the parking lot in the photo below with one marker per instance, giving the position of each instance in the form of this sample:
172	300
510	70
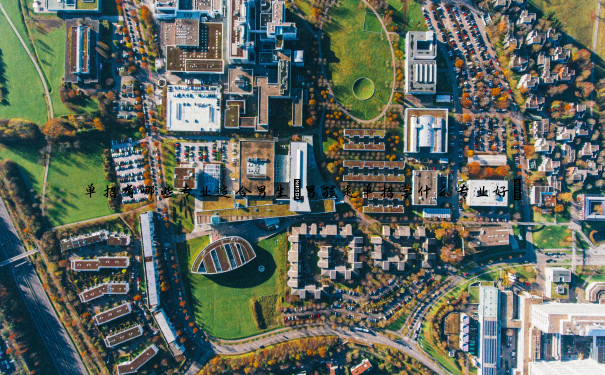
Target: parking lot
477	68
486	134
129	164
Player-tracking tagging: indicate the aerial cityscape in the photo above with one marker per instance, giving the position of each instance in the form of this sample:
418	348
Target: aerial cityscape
302	187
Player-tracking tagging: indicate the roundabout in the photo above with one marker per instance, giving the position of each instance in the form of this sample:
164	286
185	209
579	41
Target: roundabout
363	88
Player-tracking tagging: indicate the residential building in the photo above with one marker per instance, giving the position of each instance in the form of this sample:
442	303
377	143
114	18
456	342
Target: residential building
364	367
543	196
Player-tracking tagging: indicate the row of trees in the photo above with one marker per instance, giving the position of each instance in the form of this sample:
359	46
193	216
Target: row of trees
16	190
271	357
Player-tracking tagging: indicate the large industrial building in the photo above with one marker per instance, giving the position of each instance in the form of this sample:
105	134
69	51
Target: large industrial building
193	46
299	199
426	130
489	331
420	62
193	108
487	193
81	57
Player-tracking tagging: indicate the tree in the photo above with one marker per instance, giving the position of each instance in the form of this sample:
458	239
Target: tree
502	170
559	208
529	151
488	172
474	169
565	197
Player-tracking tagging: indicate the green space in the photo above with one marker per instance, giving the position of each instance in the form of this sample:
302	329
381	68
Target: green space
551	236
564	293
595	230
396	324
87	4
221	304
363	88
48	33
473	292
415	18
70	173
576	17
21	88
30	160
371	23
581	243
426	338
352	54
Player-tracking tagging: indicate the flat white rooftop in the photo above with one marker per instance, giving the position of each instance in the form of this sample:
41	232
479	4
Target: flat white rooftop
575	367
193	108
487	193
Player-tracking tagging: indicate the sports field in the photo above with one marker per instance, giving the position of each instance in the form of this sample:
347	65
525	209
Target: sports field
22	90
69	174
354	53
221	304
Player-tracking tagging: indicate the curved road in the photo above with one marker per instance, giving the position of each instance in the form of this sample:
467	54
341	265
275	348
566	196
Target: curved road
271	338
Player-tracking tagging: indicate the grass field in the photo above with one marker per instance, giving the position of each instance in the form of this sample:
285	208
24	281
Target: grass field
576	17
371	23
551	237
68	176
48	33
353	53
22	89
221	304
597	228
30	160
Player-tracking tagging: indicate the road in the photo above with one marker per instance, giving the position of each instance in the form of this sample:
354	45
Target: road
54	335
345	334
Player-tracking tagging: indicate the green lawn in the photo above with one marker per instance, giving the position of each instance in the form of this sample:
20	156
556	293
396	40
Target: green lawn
30	160
221	304
597	228
415	18
48	33
68	176
352	54
576	17
23	93
371	23
551	236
